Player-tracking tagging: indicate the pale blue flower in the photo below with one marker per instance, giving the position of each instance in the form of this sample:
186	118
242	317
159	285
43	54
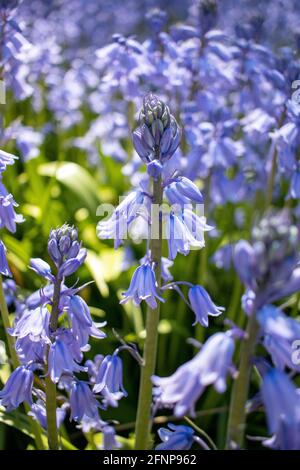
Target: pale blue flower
17	389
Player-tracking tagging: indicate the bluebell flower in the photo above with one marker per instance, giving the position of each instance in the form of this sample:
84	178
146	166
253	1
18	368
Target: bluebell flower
109	438
183	191
176	438
143	286
268	266
61	360
245	262
211	365
42	268
10	291
115	228
184	230
223	257
109	381
294	191
202	305
34	324
31	351
165	266
6	159
279	332
4	268
82	332
82	401
158	134
8	216
79	309
38	412
17	389
65	250
282	404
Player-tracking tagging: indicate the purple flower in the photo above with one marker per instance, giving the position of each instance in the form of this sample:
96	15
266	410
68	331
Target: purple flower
82	401
78	309
158	134
109	438
8	217
294	191
41	268
6	159
109	381
183	231
61	359
245	262
183	191
38	412
211	365
4	268
82	332
17	389
176	438
202	305
115	228
222	258
143	286
280	332
34	324
282	404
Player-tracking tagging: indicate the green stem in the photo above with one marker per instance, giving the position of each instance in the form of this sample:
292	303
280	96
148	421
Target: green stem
51	386
237	411
271	180
201	432
143	420
51	414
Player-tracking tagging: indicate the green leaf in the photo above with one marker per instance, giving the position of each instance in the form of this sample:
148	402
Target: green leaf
104	268
16	420
75	178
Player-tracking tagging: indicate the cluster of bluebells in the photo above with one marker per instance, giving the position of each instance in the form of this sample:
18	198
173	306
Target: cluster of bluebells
268	265
156	140
8	217
51	333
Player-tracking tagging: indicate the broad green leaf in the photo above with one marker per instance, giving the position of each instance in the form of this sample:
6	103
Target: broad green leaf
16	420
75	178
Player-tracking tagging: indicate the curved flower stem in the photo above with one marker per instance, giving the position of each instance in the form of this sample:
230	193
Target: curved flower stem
239	395
143	420
201	432
50	386
36	430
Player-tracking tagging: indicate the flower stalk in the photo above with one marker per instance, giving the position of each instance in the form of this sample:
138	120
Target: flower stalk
143	421
237	411
50	386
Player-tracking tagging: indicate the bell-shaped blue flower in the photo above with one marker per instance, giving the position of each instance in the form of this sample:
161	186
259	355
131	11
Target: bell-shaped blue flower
109	381
8	217
6	159
176	438
17	389
82	401
143	286
61	359
211	365
202	305
282	404
4	268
